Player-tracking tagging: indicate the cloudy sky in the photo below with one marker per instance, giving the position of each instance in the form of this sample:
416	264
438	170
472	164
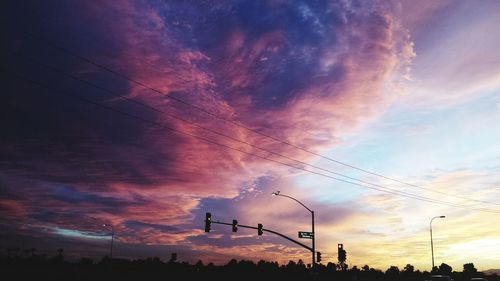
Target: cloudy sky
378	115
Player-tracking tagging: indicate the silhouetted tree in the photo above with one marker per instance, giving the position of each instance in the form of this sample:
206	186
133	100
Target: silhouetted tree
86	262
291	264
354	273
392	272
469	269
152	268
59	258
301	264
342	266
331	267
199	265
246	265
173	257
409	268
435	270
261	263
445	269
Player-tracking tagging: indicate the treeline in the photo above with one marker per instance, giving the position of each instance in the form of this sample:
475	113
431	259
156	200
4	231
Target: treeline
56	268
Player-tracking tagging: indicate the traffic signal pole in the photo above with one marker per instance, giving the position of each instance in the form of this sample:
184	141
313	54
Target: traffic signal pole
270	231
313	241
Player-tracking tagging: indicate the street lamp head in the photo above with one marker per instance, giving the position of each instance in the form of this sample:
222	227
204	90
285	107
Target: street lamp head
438	217
276	193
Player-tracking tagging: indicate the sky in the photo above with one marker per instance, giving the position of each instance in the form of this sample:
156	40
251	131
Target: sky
145	115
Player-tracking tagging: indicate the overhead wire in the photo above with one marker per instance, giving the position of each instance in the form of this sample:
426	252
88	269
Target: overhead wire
213	131
204	128
386	190
169	96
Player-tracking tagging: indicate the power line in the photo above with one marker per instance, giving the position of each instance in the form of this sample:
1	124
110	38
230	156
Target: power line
395	192
208	129
234	139
123	76
109	92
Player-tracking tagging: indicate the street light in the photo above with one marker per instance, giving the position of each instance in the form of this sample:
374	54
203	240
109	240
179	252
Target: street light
432	245
112	238
277	193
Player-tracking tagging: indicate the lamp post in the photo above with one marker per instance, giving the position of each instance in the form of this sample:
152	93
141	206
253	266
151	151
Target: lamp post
432	244
277	193
112	238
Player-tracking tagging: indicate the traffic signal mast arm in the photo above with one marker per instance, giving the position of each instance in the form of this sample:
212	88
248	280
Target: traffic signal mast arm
266	230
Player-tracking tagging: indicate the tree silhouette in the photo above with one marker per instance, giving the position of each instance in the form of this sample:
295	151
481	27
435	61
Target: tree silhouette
173	258
301	264
409	268
199	265
331	267
392	272
342	266
470	269
152	268
435	270
291	264
445	269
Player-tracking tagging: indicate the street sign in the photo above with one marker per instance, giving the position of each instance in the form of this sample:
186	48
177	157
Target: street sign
306	235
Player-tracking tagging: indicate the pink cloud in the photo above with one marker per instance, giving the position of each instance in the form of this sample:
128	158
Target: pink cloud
369	52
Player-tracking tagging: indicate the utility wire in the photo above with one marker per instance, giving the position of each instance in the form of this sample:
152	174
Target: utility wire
114	94
123	76
155	123
107	91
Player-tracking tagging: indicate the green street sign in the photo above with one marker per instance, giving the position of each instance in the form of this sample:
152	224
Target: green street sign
306	235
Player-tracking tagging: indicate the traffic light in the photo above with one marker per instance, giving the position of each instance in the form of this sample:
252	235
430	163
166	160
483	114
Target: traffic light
318	257
342	253
235	225
208	221
259	229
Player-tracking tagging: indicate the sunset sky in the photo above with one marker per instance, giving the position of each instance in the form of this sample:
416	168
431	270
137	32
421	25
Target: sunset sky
377	115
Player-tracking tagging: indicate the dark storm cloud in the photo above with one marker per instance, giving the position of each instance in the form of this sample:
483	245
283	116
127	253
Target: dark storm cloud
281	48
48	134
282	44
68	194
53	136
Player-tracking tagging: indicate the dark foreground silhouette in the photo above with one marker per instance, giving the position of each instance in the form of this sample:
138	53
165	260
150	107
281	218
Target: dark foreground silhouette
55	268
